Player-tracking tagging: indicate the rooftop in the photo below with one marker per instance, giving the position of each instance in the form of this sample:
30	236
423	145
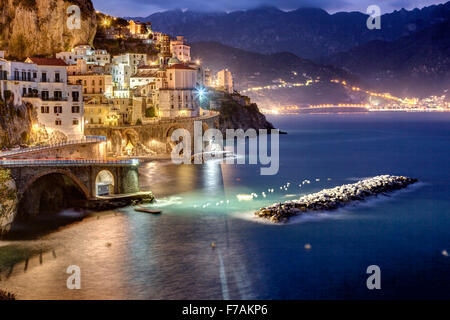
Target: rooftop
47	61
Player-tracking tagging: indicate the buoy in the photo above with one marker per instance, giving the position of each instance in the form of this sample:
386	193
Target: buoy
307	246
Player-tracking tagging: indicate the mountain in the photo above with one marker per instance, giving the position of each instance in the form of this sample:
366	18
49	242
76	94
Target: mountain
414	65
250	69
307	32
40	27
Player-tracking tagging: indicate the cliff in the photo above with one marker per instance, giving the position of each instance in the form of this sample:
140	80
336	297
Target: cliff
8	200
16	123
39	27
237	112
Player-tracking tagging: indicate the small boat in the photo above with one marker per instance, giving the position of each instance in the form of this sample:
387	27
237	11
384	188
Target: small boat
146	210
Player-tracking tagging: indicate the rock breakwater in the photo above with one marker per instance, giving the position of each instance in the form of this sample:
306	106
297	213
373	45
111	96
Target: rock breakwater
331	199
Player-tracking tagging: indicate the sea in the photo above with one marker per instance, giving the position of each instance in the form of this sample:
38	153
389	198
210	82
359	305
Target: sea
208	244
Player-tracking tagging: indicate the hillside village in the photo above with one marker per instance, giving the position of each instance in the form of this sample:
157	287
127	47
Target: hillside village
88	87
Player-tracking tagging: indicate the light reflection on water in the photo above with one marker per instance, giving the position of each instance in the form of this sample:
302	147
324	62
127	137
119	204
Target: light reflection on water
126	254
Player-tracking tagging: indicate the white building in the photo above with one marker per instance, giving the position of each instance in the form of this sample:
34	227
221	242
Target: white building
98	57
59	105
19	78
177	98
181	49
225	80
124	66
147	75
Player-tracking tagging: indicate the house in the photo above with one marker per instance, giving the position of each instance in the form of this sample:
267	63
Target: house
59	105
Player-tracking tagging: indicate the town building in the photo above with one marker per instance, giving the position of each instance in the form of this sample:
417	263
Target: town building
181	49
139	29
59	105
225	81
177	98
99	57
18	78
124	66
93	84
82	67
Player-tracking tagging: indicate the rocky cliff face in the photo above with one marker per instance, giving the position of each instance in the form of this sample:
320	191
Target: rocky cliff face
16	123
236	112
8	200
39	27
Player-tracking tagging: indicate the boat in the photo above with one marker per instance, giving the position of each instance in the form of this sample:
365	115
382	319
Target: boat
147	210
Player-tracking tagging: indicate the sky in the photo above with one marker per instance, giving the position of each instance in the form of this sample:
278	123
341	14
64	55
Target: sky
143	8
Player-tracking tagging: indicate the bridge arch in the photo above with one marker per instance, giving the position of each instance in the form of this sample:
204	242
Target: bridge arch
50	192
66	173
105	183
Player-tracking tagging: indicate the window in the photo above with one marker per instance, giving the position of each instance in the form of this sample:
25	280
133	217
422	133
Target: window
75	96
34	75
44	77
57	78
58	122
75	122
45	109
57	109
24	91
75	109
44	95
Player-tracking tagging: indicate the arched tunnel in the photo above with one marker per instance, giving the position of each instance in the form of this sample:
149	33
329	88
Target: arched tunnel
48	195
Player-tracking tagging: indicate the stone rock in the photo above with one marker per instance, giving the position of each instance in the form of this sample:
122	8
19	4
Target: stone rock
40	27
8	200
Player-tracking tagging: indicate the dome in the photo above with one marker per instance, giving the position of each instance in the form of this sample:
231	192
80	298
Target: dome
173	60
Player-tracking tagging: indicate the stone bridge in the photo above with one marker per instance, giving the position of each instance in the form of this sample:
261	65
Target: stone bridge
47	186
152	137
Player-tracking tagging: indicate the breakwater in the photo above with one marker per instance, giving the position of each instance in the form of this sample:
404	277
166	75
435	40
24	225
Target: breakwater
331	199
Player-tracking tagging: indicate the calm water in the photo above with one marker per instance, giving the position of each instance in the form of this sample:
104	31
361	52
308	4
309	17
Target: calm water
125	254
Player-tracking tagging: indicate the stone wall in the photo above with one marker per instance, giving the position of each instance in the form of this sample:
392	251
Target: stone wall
148	139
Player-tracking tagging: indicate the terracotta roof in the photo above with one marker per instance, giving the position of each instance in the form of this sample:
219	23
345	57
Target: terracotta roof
48	61
180	66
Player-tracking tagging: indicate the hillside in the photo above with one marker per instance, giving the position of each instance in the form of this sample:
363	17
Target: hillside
39	27
251	69
307	32
418	64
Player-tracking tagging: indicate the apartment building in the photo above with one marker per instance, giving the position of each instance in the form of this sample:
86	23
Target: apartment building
59	105
98	57
181	49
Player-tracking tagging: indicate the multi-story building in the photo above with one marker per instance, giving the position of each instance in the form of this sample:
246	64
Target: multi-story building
147	75
59	105
225	80
19	78
93	84
177	98
138	28
124	66
82	67
181	49
99	57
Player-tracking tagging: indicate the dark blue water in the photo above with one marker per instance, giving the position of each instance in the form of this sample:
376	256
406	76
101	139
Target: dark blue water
131	255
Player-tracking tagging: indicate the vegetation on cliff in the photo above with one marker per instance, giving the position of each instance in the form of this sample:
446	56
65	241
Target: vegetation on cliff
237	112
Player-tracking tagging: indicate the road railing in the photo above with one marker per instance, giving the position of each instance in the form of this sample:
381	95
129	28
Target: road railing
65	162
87	139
